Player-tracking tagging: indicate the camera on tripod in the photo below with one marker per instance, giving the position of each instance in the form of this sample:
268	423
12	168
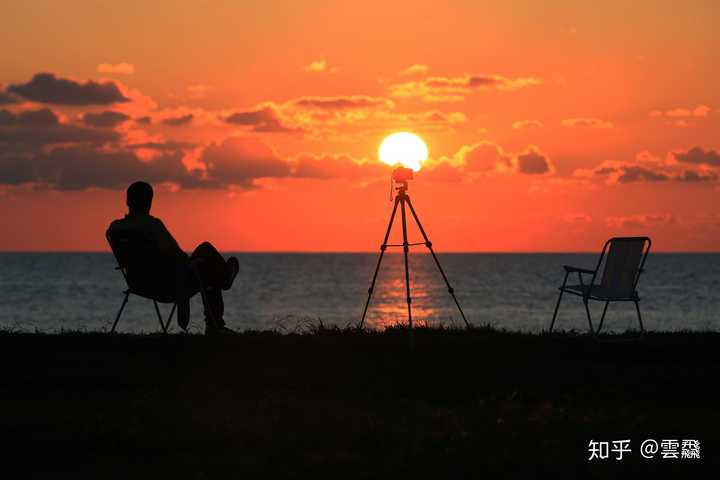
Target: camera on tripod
408	150
402	174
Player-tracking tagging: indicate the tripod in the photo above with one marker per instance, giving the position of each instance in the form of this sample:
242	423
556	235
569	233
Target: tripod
403	199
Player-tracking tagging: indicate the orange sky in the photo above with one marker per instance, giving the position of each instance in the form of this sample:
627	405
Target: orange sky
551	125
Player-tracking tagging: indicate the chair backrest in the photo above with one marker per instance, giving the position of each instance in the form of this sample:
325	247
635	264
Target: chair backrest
146	271
624	263
131	248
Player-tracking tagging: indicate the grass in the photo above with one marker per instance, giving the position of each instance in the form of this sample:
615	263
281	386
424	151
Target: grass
331	402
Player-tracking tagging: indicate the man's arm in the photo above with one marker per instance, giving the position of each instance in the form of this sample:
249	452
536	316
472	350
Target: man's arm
165	241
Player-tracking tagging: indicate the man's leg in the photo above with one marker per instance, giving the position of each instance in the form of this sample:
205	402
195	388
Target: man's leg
212	272
214	308
186	285
214	268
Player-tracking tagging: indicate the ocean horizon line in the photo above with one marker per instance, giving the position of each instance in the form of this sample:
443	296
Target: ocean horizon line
388	252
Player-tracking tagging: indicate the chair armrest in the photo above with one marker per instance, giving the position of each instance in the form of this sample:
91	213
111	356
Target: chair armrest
570	269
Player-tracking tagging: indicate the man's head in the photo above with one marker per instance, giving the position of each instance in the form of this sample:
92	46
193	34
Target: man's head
139	197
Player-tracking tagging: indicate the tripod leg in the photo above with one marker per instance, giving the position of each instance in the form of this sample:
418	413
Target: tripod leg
428	244
383	247
406	248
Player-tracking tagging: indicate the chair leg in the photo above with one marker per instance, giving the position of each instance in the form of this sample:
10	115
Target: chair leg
172	312
557	306
637	307
602	319
117	318
157	310
587	310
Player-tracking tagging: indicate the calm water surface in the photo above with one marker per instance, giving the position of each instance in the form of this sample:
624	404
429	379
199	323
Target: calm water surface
82	291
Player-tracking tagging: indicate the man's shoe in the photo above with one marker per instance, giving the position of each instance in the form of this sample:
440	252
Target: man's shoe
233	267
219	331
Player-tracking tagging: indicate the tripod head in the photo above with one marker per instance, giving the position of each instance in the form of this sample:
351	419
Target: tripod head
401	176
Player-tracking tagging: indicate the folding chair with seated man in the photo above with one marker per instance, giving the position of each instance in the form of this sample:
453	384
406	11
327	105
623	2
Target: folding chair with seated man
155	267
146	272
623	265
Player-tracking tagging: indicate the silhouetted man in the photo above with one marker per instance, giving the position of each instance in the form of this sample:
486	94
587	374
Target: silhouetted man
184	274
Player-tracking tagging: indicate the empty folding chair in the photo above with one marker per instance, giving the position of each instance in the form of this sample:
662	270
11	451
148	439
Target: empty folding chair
623	265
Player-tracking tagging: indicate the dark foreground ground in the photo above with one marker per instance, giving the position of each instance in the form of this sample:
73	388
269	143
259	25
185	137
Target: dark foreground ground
353	405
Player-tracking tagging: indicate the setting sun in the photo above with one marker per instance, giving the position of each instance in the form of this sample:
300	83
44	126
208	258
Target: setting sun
404	148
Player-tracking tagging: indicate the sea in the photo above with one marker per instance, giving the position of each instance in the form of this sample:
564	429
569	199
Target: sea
295	292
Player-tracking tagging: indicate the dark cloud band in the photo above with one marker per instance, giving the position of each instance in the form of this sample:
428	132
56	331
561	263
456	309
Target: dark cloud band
107	119
47	88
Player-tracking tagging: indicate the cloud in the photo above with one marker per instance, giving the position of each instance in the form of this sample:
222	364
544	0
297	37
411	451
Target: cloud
6	98
602	171
437	117
648	168
179	121
107	119
328	166
240	161
46	88
343	102
371	115
43	117
498	82
635	173
443	171
448	89
586	122
317	66
488	157
429	121
161	146
122	68
414	69
483	157
577	219
521	124
691	176
30	129
614	172
366	114
532	162
236	161
699	111
82	167
699	156
481	82
265	118
146	120
640	221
